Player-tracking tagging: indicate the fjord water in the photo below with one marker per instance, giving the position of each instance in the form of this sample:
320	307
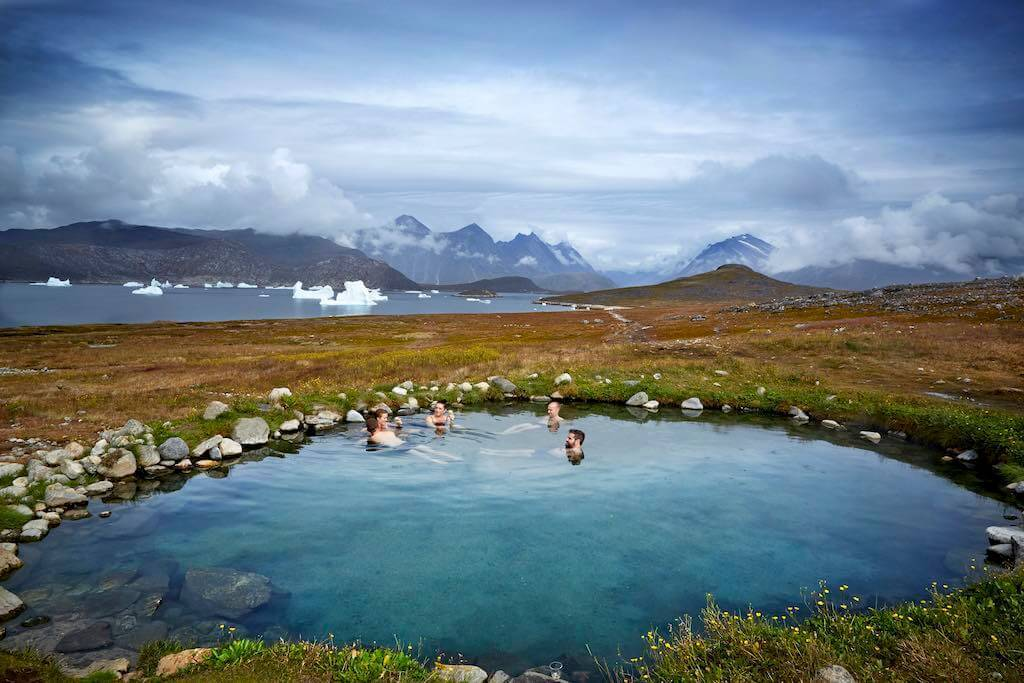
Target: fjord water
24	304
489	543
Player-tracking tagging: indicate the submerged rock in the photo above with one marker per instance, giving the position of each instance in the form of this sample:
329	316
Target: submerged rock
92	637
225	592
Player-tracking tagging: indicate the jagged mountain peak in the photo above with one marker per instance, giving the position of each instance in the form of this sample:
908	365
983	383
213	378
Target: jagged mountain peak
745	249
411	225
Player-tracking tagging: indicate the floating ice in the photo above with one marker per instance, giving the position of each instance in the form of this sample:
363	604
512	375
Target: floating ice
246	285
180	286
423	296
223	285
167	284
53	282
151	290
435	291
412	291
312	293
207	285
133	284
355	294
469	298
263	296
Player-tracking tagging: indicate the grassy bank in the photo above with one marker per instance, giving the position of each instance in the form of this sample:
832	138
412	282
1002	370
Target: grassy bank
968	634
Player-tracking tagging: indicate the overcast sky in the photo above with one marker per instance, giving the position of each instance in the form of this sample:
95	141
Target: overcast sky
637	130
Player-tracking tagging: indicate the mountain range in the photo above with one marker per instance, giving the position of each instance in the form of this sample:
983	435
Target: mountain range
113	251
470	253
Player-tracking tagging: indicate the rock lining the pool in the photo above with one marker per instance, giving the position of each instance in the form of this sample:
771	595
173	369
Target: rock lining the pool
55	483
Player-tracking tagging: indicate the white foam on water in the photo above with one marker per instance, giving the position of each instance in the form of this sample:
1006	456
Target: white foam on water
53	282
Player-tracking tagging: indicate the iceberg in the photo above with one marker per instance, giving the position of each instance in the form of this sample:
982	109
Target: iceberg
435	291
207	285
423	296
412	291
312	293
355	294
53	282
151	290
180	286
167	283
245	285
263	296
133	284
223	285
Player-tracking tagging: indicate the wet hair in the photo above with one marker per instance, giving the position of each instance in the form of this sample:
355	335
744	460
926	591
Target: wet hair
441	402
371	424
555	401
578	434
380	411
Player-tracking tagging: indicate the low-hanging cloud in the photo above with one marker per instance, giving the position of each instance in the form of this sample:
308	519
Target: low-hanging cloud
776	180
274	194
968	238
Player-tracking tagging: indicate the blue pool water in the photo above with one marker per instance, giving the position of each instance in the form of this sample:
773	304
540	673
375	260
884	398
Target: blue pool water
24	304
489	543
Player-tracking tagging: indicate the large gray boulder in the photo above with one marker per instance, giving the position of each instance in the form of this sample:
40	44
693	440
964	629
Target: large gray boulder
228	448
503	384
251	431
215	409
354	416
174	449
59	496
224	592
148	456
117	464
11	469
10	604
692	404
638	399
1004	534
72	469
204	446
57	456
38	471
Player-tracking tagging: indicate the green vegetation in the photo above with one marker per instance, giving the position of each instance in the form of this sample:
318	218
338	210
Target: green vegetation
151	653
12	519
971	634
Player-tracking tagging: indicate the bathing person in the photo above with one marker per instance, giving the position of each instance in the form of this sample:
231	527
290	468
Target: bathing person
382	416
377	428
439	417
574	446
554	419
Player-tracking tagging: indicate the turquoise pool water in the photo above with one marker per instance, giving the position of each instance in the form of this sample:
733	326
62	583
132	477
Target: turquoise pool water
489	543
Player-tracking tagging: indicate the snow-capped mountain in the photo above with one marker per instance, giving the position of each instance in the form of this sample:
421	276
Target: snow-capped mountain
745	250
470	253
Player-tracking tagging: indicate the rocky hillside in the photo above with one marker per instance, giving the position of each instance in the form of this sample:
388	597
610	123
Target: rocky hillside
726	283
113	252
470	253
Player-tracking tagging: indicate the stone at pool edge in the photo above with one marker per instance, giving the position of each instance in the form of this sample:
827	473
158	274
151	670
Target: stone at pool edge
692	403
251	431
8	563
173	448
117	463
354	416
173	663
10	604
460	673
638	399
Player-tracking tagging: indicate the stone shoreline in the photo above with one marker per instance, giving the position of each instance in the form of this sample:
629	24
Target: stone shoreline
51	485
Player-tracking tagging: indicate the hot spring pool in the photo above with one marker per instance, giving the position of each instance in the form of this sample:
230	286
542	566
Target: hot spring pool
489	543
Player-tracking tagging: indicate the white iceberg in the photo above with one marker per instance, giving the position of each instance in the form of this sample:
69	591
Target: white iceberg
262	296
167	284
207	285
246	285
53	282
151	290
284	287
469	298
412	291
435	291
423	296
356	294
180	286
312	293
133	284
223	285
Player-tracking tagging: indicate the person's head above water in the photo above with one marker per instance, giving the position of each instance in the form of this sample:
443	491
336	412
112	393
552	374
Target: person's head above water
553	408
440	407
371	424
575	438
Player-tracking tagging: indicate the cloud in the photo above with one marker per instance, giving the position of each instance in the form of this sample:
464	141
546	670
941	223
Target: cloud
788	181
527	261
968	238
274	194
